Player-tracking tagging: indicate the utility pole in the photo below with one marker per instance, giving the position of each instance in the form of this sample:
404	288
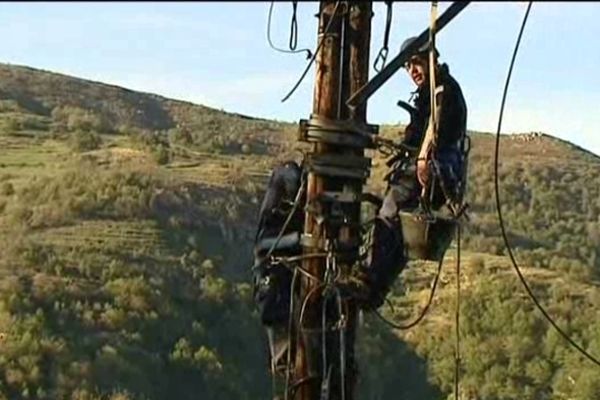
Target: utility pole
324	365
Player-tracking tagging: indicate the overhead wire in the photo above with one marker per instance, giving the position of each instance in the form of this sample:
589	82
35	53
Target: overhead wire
499	209
314	55
293	34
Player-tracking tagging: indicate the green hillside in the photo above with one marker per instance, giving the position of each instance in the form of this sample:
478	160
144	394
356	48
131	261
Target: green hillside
126	222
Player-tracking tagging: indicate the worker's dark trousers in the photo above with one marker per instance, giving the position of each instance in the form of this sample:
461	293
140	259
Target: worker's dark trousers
272	282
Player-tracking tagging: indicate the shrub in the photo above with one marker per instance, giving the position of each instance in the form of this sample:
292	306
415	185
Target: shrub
7	189
85	141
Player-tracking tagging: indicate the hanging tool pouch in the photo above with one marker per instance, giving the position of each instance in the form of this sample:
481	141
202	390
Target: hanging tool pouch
272	280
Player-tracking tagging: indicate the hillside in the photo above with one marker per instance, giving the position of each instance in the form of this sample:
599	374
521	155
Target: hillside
126	221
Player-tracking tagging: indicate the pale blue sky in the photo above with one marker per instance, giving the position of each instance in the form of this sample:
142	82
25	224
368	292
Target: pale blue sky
217	54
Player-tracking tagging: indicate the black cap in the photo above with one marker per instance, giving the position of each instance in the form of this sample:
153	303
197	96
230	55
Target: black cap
422	50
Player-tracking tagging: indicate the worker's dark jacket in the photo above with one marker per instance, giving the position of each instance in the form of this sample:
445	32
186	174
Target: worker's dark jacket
453	113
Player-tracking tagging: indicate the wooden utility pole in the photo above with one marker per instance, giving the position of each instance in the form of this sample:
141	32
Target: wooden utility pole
335	168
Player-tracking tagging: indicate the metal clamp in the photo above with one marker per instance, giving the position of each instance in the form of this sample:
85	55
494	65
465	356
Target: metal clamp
340	165
342	133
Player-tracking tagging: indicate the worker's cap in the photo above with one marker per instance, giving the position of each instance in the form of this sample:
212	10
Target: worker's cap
421	51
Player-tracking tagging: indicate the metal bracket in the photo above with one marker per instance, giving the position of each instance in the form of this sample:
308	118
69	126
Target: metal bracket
340	197
342	133
308	240
340	165
338	172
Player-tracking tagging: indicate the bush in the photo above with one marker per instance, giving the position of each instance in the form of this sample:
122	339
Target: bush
85	141
181	135
7	189
75	119
162	155
477	264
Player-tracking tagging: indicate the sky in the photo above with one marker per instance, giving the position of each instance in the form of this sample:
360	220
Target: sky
217	54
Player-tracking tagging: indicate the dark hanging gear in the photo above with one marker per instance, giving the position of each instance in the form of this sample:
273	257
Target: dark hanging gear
280	224
272	280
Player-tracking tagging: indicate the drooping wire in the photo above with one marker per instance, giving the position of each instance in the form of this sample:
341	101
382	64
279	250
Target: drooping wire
293	34
314	55
498	206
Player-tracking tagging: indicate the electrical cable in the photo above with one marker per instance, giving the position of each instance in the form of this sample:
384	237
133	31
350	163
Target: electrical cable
294	27
314	55
498	205
294	21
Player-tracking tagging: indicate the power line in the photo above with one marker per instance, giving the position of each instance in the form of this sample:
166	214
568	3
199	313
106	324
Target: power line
498	206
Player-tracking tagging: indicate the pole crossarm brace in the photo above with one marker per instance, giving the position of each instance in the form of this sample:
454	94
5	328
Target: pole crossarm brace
386	73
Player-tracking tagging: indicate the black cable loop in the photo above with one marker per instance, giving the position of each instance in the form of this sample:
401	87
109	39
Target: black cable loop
314	55
423	311
293	51
498	207
383	52
294	27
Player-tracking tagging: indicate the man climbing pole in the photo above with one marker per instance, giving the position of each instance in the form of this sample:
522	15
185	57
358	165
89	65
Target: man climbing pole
425	175
429	173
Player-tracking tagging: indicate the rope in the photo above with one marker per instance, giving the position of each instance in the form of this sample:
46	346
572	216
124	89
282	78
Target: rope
430	138
293	31
325	375
383	53
498	206
314	56
457	319
289	343
432	82
342	343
